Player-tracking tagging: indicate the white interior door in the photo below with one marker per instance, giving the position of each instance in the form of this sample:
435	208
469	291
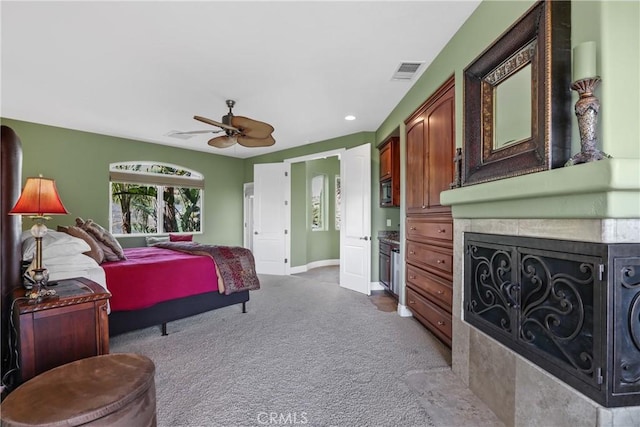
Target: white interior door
355	230
271	189
248	216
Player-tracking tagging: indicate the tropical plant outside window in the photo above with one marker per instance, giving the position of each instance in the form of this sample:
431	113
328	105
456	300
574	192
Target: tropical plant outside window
318	202
155	198
338	198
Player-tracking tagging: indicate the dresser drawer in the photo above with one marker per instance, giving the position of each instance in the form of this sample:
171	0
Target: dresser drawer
434	318
435	230
435	288
433	258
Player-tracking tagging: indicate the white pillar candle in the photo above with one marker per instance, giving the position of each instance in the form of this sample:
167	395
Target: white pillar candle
584	61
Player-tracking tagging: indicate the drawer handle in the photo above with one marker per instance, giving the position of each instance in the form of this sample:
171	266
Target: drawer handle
441	230
424	207
412	228
412	253
440	261
440	323
440	292
412	277
411	301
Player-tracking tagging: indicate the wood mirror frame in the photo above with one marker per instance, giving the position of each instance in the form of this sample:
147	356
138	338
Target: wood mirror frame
542	38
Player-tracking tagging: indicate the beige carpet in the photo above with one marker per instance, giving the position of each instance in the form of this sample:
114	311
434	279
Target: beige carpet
306	353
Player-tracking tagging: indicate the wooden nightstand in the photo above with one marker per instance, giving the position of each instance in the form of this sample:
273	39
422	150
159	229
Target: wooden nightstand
59	330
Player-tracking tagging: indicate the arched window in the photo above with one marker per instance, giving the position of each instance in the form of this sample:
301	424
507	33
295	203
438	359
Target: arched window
154	198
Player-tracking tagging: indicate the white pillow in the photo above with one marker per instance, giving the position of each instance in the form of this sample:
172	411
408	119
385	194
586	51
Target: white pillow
69	263
152	240
54	244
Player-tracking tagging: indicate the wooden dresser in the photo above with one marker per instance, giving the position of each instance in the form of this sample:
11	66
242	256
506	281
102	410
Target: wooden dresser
59	330
429	225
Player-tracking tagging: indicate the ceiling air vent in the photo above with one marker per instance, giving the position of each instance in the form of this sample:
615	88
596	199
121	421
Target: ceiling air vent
407	70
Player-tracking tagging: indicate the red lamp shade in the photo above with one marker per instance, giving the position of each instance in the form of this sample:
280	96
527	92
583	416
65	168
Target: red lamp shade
39	197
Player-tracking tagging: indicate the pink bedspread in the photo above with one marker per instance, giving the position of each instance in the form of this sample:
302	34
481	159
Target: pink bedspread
151	275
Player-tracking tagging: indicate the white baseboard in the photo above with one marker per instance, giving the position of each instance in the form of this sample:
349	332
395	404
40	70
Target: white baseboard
315	264
298	269
403	311
377	286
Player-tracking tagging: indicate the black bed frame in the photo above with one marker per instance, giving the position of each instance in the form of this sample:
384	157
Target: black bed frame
161	313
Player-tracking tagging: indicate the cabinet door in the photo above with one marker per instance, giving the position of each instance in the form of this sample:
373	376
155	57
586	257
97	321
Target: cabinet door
385	269
385	162
441	142
53	337
415	168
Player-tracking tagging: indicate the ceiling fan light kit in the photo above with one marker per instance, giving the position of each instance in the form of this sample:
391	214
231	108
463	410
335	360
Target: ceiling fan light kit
242	130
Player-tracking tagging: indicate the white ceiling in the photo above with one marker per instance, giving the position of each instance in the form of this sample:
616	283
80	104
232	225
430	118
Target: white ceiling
142	69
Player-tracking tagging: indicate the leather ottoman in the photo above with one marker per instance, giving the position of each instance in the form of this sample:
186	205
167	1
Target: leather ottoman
112	389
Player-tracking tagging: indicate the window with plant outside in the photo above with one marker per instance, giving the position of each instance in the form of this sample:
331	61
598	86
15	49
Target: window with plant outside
318	202
154	198
338	202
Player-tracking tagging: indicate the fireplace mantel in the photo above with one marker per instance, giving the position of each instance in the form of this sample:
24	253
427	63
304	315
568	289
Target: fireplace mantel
605	189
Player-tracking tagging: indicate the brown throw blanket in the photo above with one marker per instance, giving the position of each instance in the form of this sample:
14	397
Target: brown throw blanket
235	266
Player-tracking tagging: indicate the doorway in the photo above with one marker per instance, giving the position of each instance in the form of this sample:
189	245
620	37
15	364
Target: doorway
315	213
353	252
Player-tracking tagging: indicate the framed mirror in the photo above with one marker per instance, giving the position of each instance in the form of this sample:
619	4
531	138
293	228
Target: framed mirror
517	98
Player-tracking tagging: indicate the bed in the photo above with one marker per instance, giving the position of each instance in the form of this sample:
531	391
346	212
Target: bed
143	286
156	285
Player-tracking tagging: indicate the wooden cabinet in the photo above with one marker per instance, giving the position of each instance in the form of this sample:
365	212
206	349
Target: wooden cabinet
429	225
390	172
430	152
59	330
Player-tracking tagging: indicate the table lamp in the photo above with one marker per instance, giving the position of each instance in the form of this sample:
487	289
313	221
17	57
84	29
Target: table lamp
38	199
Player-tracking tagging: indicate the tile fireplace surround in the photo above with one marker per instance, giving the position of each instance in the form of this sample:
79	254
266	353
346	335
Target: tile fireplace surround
519	392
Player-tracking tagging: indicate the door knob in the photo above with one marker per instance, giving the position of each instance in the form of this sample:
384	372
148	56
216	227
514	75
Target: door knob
365	238
255	232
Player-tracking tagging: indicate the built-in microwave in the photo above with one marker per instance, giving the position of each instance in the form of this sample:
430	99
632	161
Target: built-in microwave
386	193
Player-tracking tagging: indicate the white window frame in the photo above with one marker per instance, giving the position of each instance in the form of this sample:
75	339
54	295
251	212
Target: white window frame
195	180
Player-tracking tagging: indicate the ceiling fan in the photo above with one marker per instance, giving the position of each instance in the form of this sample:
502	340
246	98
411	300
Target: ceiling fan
242	130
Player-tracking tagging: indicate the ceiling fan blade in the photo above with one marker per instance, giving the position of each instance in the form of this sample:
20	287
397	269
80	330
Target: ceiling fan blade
245	141
214	123
195	132
252	128
222	141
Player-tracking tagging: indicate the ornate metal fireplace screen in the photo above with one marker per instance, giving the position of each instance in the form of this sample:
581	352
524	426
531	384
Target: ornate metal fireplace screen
572	308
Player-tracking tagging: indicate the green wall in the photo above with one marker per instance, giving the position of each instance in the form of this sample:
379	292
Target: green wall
347	141
79	162
298	214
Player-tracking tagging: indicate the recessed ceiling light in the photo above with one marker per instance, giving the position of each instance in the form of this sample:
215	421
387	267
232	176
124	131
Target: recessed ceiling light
350	117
